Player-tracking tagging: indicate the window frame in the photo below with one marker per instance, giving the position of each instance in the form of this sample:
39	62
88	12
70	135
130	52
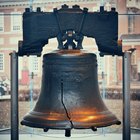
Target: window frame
2	22
131	22
19	22
2	70
34	64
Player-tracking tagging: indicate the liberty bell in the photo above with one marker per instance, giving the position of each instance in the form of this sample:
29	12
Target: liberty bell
70	97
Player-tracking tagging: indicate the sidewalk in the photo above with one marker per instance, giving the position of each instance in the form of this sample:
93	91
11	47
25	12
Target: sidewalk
74	137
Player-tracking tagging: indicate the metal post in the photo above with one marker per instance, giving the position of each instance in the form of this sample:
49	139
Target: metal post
31	90
126	96
14	96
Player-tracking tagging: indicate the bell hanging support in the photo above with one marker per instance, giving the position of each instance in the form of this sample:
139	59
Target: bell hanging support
70	97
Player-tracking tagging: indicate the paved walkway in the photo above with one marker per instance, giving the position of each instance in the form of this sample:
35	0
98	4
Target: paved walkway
74	137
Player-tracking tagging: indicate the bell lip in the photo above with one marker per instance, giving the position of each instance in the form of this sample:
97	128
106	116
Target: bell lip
31	117
66	126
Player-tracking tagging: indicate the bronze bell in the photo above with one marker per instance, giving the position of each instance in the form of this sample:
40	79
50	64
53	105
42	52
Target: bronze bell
70	95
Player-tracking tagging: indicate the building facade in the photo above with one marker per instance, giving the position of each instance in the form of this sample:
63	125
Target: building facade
11	32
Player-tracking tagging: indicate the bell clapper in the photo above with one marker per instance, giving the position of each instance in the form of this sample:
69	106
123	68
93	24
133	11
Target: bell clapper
67	132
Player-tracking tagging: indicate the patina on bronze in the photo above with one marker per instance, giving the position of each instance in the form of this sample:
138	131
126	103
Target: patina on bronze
70	95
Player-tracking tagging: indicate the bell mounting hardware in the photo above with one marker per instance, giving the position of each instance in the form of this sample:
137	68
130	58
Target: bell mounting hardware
70	25
70	97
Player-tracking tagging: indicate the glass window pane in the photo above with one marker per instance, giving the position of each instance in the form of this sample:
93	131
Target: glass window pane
16	20
1	22
1	62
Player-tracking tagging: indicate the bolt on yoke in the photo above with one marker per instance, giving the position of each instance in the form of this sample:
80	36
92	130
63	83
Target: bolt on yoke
70	37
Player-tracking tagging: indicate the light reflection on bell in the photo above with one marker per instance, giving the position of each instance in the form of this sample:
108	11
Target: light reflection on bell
69	95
